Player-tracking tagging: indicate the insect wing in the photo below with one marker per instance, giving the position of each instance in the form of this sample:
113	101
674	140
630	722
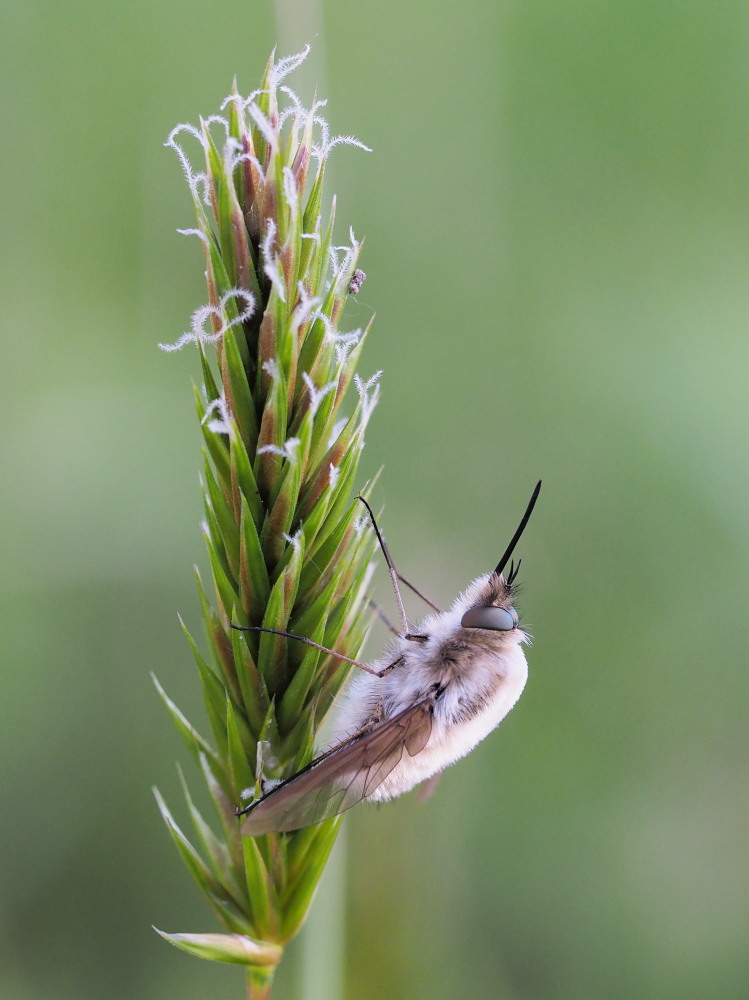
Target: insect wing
343	776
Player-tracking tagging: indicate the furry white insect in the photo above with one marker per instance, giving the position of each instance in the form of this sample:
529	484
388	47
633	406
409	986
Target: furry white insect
429	700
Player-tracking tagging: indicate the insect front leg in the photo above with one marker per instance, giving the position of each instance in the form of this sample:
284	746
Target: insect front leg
388	668
315	645
375	718
383	617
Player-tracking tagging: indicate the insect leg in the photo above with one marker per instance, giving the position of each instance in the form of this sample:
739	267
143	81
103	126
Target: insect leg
316	645
391	567
374	719
426	788
389	667
382	616
418	593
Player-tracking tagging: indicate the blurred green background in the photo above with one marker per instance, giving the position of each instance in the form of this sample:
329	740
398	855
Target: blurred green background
557	239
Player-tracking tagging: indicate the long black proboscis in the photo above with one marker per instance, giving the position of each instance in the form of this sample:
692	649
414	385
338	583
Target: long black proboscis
520	529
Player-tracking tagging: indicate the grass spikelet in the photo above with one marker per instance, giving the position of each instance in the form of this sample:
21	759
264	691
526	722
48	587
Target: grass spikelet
281	449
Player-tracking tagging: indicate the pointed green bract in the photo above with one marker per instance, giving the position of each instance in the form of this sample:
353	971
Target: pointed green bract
215	851
192	738
286	544
238	949
301	890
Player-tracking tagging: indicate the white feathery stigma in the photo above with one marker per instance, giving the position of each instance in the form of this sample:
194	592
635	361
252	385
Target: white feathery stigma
295	109
290	448
195	232
288	451
200	180
216	118
316	395
350	253
315	235
232	99
191	177
293	97
270	264
313	118
336	430
295	541
261	120
363	387
344	344
222	425
173	144
332	336
369	393
197	333
321	150
242	102
305	307
280	70
290	190
233	156
270	367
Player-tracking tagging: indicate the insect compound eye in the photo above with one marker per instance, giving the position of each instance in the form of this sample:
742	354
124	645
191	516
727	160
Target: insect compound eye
496	619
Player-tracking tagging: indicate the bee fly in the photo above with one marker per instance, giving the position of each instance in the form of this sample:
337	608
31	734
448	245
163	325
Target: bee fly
429	700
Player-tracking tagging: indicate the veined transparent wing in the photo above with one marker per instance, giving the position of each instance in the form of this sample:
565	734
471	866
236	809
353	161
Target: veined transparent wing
342	776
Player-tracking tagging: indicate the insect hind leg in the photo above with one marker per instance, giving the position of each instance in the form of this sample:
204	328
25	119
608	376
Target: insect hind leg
391	568
316	645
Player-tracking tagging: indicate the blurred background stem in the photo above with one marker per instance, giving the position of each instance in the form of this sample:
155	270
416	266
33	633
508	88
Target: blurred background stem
322	942
297	23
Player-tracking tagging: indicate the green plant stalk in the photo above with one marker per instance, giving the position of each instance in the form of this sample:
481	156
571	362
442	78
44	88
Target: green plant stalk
286	545
259	982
